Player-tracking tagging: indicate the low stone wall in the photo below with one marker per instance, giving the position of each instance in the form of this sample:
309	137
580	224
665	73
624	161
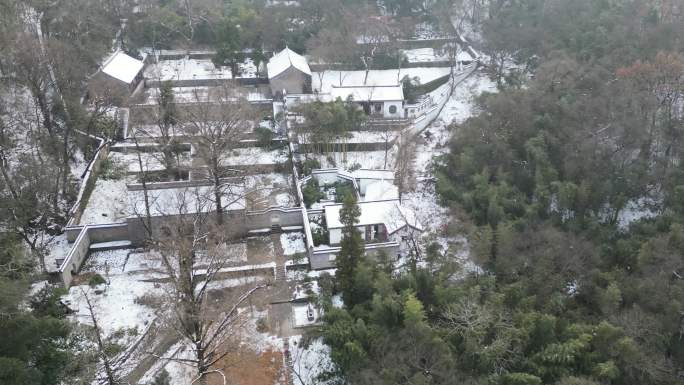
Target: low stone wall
151	83
237	222
324	258
89	179
234	220
273	216
77	255
168	185
82	237
337	147
100	233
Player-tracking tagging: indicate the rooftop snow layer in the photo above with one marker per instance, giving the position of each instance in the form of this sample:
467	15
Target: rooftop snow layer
390	213
324	81
364	173
284	60
380	190
123	67
368	93
464	56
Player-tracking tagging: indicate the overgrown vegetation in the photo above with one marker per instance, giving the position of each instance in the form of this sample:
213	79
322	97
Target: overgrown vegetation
312	192
572	183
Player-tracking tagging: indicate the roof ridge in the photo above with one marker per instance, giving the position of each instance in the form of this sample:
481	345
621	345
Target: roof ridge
289	59
111	57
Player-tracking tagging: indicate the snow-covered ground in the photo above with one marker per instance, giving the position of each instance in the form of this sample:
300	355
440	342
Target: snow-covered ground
363	137
300	314
204	93
57	249
365	159
186	69
308	362
255	156
180	373
633	211
427	31
271	180
185	200
421	55
151	161
292	243
118	305
424	201
196	69
108	202
284	199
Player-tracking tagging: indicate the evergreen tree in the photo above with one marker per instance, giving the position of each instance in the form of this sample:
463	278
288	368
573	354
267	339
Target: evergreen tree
352	247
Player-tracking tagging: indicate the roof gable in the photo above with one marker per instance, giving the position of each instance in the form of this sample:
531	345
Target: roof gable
285	59
390	212
122	67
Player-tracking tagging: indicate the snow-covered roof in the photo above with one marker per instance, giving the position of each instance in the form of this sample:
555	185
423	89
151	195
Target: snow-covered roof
464	56
368	93
324	81
122	67
388	212
285	59
373	174
381	190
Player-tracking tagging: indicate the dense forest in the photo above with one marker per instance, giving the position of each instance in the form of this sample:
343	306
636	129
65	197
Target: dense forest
569	182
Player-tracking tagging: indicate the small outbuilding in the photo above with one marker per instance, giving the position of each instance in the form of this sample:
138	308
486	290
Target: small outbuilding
380	221
288	73
118	77
376	101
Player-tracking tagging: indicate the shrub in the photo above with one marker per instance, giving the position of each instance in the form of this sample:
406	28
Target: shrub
320	236
312	192
310	165
354	167
341	190
110	169
47	302
149	300
96	279
264	136
410	87
298	258
261	325
163	378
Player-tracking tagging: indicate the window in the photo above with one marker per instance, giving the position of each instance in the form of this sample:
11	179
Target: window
393	109
378	107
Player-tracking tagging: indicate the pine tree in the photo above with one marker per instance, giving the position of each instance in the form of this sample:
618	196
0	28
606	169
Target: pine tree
351	247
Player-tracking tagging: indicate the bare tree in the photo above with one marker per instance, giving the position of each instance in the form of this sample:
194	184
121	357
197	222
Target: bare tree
193	252
405	164
146	194
388	134
111	376
165	131
217	124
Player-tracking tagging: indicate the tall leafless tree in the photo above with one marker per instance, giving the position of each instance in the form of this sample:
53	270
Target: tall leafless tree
193	251
217	122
